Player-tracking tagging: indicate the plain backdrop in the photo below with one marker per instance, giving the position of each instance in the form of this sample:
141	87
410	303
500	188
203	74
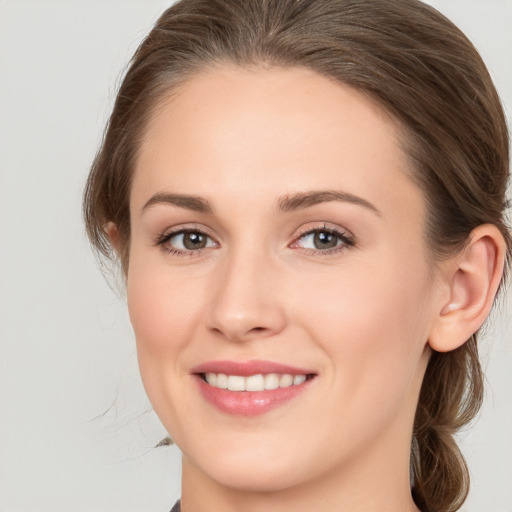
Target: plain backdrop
76	430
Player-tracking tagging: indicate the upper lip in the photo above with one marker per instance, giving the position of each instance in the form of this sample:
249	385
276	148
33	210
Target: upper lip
247	368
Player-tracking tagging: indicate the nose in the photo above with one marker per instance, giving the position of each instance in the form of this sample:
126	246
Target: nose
246	302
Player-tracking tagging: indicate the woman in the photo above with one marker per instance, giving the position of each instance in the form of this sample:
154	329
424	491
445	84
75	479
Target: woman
307	199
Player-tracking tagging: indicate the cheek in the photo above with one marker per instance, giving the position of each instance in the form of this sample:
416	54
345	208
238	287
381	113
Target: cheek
164	309
373	296
371	321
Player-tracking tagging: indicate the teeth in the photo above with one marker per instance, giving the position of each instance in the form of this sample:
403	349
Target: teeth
299	379
286	381
222	381
254	382
236	383
271	381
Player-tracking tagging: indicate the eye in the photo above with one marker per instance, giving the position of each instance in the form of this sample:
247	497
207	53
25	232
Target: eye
324	240
185	241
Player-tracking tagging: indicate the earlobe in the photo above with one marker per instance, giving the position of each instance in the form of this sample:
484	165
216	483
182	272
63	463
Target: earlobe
472	279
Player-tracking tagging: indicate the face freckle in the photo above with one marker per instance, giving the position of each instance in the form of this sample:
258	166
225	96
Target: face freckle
336	284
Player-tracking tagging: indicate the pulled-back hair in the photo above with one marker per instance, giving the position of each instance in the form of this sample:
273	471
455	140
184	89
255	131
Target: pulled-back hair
422	71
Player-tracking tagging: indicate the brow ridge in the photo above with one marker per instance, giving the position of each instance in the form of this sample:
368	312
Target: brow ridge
287	203
302	200
194	203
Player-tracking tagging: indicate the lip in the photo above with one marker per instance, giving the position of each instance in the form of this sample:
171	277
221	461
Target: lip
246	368
248	403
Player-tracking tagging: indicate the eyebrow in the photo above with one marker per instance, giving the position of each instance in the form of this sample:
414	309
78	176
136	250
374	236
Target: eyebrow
287	203
302	200
194	203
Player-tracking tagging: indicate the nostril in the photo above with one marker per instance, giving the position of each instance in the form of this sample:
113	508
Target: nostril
240	322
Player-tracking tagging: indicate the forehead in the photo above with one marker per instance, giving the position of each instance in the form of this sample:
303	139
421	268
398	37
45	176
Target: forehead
257	133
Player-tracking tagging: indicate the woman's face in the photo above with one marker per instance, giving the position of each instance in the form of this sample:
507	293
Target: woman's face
277	241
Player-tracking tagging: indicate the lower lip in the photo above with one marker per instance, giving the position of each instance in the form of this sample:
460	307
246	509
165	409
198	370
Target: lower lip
249	403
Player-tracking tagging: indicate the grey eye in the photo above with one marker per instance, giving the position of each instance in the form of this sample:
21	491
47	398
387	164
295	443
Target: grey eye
320	239
190	241
325	240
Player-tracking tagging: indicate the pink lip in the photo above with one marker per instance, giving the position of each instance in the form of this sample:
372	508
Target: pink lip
246	368
248	403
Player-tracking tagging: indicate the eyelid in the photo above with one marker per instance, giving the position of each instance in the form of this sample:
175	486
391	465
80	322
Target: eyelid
343	234
169	233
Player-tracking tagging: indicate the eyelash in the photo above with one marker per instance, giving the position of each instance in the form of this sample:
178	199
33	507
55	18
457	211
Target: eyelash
346	240
165	237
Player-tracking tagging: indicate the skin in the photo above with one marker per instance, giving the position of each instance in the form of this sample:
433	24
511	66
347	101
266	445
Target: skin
360	317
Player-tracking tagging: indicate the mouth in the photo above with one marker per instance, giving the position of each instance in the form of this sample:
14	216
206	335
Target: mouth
254	383
250	388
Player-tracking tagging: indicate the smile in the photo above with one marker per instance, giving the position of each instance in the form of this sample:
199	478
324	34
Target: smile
253	383
250	388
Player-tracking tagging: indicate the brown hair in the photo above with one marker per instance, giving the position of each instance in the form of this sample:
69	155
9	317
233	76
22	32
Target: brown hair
424	72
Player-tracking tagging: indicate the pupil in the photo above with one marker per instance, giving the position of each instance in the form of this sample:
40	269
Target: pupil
194	241
325	240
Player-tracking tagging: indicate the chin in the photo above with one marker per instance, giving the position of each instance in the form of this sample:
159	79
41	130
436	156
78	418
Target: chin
259	465
263	479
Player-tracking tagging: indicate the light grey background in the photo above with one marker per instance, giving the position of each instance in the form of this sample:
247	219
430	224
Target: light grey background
67	351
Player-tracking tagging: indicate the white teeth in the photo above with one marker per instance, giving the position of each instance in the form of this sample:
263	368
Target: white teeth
298	379
211	378
271	381
285	381
236	383
253	382
222	381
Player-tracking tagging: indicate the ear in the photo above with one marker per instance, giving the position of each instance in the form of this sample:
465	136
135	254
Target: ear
112	232
471	281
